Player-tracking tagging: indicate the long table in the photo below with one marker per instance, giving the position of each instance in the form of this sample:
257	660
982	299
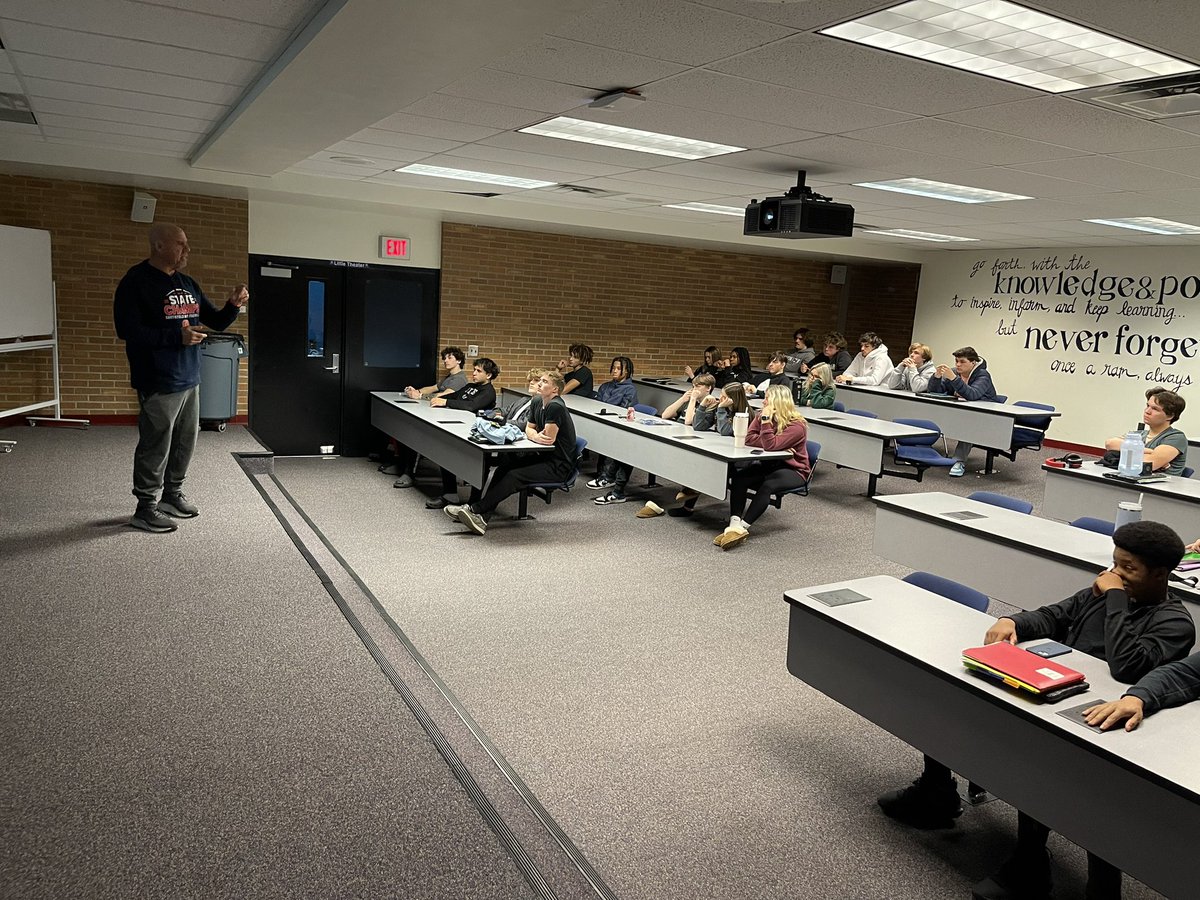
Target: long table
699	460
1071	493
853	442
980	422
1131	798
440	434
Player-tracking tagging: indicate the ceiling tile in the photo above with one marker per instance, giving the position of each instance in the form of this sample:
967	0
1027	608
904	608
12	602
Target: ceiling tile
1103	170
833	152
458	132
677	32
449	185
661	192
1072	123
124	79
964	141
536	143
136	143
702	89
663	118
138	55
474	112
99	125
46	106
837	68
402	141
1185	160
112	97
520	91
572	62
1015	181
804	16
153	24
561	163
394	155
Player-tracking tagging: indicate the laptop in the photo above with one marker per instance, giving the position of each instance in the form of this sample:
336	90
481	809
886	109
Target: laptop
1023	671
1135	479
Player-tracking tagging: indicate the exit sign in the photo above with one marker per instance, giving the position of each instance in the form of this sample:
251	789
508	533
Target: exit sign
393	247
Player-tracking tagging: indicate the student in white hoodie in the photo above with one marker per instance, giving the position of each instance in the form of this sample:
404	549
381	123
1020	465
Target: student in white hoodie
872	365
913	372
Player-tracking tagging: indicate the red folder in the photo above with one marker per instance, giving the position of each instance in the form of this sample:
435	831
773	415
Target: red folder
1033	672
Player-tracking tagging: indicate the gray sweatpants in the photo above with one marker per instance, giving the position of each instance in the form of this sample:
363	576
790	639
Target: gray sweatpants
167	428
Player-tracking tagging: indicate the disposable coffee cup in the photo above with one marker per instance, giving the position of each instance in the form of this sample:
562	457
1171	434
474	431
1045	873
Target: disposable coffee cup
1128	511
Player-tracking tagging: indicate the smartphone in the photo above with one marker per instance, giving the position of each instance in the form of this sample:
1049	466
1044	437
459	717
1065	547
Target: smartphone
1049	649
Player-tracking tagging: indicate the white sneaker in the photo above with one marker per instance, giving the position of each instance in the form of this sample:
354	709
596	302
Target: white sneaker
599	483
472	520
451	510
958	470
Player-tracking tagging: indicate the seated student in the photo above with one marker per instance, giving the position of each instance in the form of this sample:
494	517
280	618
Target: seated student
1129	617
691	400
455	378
1174	684
710	413
613	476
724	374
709	367
913	372
818	390
739	365
778	426
802	355
834	354
871	366
575	372
775	375
476	397
1166	446
517	412
970	380
549	424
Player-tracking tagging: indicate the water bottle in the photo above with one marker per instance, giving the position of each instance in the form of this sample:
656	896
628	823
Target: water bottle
1132	452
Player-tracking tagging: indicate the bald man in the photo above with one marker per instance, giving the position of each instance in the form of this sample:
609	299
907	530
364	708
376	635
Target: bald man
157	310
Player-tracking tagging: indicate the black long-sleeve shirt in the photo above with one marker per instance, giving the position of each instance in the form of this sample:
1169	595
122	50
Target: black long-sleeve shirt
1133	637
1170	685
473	397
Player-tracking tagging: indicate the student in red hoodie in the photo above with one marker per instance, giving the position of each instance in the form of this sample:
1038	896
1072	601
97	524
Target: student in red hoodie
777	426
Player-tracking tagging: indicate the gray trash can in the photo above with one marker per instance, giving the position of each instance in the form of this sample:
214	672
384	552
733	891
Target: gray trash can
220	355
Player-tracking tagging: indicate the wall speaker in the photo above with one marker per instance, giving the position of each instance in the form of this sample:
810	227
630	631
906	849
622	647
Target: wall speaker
837	274
143	207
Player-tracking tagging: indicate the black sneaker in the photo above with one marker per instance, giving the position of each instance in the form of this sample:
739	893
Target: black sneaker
1025	877
148	518
179	506
610	497
922	806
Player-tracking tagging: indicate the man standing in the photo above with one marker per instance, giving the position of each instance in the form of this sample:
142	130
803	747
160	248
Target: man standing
156	310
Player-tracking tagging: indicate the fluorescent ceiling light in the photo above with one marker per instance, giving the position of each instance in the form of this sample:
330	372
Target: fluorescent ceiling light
1009	42
708	208
940	190
1150	224
919	235
628	138
467	175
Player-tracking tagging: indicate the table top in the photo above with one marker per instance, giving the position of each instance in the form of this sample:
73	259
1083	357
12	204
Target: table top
883	428
454	422
1175	487
985	406
931	632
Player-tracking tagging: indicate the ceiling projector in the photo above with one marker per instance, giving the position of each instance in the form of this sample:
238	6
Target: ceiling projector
800	213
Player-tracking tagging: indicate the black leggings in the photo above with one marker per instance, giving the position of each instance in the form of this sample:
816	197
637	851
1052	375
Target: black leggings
764	478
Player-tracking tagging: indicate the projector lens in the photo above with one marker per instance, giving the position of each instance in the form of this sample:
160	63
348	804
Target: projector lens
768	216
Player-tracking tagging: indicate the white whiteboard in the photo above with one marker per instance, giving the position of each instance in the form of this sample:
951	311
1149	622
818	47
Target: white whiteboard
26	283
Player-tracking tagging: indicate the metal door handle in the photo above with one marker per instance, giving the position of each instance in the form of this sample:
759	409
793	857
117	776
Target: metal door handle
334	367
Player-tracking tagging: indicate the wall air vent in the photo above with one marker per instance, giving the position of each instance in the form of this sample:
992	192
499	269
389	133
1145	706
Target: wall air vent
15	108
1158	98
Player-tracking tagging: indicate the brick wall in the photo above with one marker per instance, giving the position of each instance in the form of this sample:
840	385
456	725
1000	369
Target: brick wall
883	299
524	296
93	243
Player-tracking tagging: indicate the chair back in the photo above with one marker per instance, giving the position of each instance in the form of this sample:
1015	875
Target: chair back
1001	398
865	413
645	410
1021	506
1188	472
839	406
951	590
1091	523
1041	423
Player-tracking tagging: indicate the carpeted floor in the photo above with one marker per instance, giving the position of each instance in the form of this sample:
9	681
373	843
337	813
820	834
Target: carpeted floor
190	716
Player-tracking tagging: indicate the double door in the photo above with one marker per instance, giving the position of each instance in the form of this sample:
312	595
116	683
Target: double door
323	335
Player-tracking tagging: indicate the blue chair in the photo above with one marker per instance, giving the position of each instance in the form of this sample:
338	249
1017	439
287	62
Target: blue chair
1028	434
839	406
865	413
1001	398
918	452
951	590
546	489
1187	472
814	455
1021	506
1091	523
